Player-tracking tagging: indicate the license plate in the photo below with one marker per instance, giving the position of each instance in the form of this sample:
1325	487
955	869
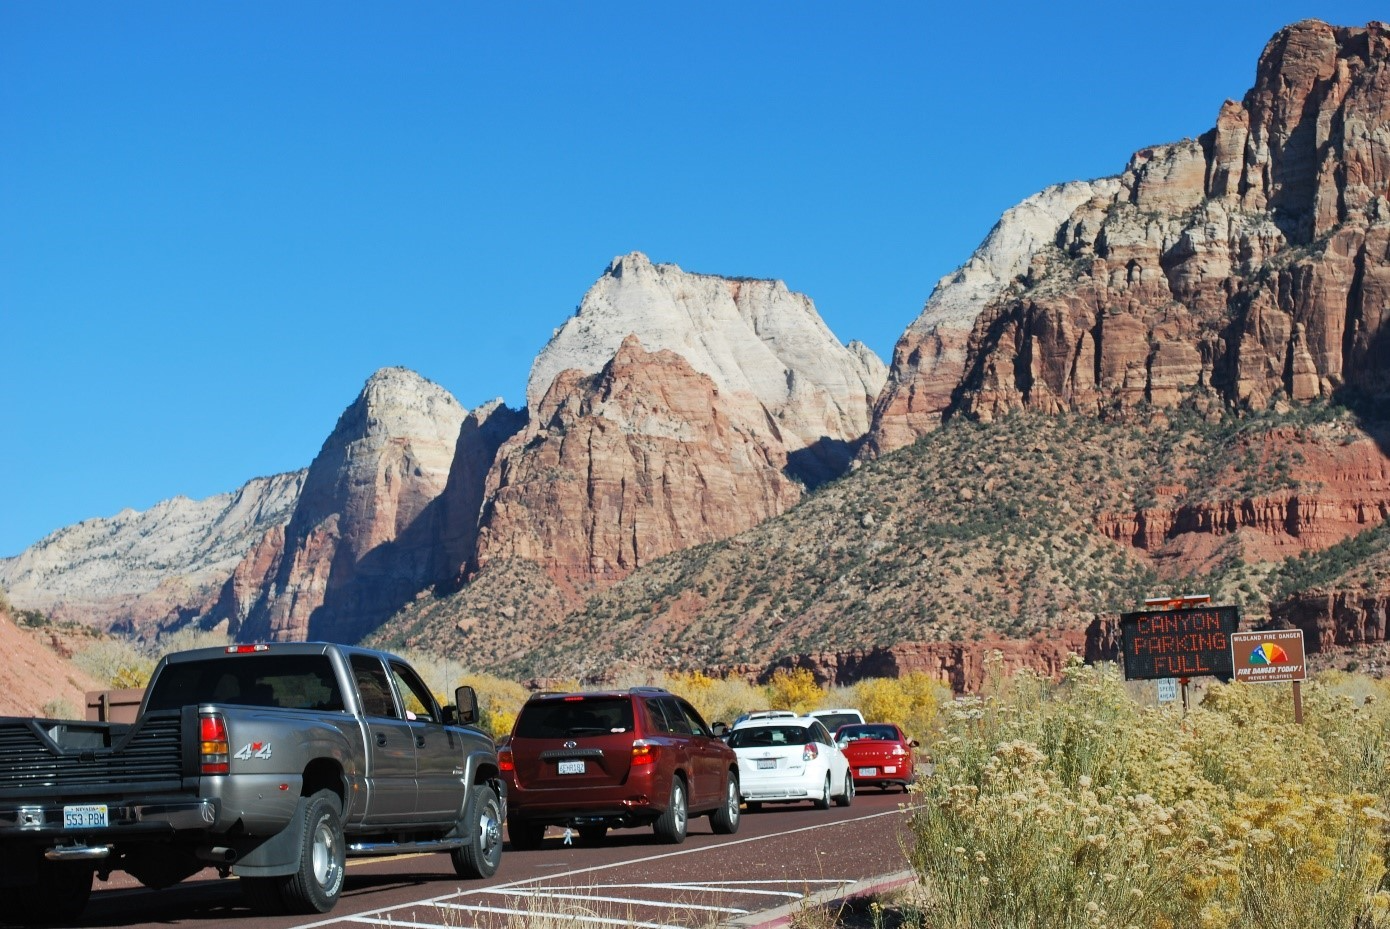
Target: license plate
765	764
89	816
571	767
867	772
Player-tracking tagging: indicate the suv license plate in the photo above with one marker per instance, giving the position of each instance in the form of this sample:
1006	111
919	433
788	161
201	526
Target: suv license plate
90	816
571	767
765	764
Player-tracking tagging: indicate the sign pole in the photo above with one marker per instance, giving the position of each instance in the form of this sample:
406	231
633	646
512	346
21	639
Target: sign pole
1184	682
1298	702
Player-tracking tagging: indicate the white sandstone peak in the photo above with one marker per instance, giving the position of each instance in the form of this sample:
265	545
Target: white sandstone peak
755	338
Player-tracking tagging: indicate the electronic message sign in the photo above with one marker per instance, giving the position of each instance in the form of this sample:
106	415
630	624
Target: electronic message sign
1178	643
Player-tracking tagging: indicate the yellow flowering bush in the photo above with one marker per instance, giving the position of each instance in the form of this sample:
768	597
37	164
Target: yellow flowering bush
1067	805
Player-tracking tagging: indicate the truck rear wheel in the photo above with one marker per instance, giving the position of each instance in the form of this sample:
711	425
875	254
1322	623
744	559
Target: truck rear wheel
483	853
315	887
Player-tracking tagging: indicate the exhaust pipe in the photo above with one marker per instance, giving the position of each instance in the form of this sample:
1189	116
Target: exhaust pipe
216	854
77	852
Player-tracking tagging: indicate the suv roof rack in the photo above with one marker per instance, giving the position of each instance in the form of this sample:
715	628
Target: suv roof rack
647	689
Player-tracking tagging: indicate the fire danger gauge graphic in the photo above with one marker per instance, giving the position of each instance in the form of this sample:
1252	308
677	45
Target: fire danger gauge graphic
1268	653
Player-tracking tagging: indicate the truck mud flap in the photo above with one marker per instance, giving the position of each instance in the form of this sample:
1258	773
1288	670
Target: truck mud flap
279	854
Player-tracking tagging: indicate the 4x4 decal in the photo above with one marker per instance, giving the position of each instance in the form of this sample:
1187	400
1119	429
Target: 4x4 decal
253	750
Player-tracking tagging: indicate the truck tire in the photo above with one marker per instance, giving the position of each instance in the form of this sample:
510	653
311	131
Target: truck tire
670	827
724	821
483	853
59	896
315	887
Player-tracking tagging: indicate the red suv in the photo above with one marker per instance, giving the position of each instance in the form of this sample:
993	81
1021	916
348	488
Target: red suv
614	759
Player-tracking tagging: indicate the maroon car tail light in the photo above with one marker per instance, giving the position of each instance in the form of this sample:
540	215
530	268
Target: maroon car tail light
213	751
505	760
643	752
811	752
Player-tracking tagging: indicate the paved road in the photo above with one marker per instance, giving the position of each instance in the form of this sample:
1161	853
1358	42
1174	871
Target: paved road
779	856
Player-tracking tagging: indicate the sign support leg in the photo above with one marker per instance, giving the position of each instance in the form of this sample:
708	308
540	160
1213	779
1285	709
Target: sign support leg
1298	702
1184	681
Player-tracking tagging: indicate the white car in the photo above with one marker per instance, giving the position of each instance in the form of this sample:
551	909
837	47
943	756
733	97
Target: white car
834	719
784	759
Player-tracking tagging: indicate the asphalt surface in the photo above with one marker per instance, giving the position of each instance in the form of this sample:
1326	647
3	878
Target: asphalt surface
782	857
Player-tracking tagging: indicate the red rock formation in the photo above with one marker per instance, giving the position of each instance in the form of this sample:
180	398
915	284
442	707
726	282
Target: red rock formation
619	468
1338	618
363	538
1343	489
962	666
1249	265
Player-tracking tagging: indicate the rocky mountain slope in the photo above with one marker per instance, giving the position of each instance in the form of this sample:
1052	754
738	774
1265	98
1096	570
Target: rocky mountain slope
141	569
1172	378
363	538
37	678
1244	266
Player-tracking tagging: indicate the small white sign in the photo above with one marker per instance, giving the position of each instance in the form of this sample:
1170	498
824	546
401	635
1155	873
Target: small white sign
1167	689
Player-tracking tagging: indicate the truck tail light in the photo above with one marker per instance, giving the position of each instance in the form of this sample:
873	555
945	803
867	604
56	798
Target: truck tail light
811	752
213	751
643	752
505	761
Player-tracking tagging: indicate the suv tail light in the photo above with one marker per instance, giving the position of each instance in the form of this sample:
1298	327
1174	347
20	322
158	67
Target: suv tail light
643	752
505	761
811	752
213	752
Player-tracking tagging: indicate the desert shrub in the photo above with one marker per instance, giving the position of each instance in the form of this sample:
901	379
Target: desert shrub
1067	805
795	689
115	663
499	701
716	699
910	701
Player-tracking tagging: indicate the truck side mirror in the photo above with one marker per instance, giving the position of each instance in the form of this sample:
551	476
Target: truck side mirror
466	700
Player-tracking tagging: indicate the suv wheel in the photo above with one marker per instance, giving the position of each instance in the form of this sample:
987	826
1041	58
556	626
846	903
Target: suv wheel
724	821
671	826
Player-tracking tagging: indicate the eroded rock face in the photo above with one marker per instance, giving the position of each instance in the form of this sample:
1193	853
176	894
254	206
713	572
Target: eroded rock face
144	569
962	666
1250	265
1338	618
618	468
363	539
764	348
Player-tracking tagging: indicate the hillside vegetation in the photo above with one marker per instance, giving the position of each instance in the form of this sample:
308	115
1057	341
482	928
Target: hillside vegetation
976	530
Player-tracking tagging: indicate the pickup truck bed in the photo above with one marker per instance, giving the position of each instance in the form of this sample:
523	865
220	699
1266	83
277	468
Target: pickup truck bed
269	762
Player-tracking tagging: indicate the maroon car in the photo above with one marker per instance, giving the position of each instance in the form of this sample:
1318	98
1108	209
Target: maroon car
614	759
879	754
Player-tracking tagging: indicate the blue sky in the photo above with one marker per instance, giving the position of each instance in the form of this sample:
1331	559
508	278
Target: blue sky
217	220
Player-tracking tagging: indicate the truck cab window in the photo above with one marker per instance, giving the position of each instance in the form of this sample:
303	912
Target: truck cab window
419	703
373	686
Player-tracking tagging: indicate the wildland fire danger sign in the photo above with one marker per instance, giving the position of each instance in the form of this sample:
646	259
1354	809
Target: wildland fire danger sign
1268	657
1178	643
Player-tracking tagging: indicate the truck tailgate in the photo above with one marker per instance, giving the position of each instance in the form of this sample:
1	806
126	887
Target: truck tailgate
38	758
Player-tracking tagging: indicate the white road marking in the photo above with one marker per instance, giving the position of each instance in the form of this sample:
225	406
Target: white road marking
669	904
370	916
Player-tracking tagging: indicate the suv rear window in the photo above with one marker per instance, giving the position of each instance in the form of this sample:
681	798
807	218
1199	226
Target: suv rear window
560	719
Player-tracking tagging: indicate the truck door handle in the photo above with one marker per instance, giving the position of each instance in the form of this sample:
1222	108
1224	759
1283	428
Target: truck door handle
419	741
381	738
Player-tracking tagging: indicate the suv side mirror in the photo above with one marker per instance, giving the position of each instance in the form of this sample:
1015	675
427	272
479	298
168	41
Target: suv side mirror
719	730
466	705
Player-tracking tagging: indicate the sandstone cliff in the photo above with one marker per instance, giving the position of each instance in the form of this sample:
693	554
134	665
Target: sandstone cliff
764	348
36	679
363	537
617	468
141	570
1247	265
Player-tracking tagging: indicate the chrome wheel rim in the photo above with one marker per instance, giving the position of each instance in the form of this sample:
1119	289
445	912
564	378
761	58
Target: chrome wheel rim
325	856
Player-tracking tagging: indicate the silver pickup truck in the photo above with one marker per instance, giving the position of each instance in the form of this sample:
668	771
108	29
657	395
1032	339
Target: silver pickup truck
270	762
